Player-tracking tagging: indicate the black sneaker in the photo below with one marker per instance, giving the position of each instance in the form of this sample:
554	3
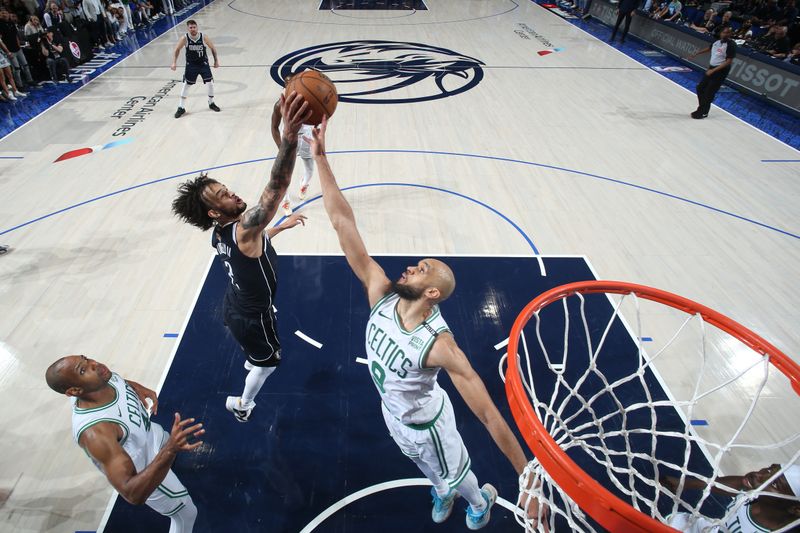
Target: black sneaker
698	115
179	113
212	106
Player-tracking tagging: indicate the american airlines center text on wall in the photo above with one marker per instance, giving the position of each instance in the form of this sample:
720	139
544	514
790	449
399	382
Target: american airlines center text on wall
751	71
145	106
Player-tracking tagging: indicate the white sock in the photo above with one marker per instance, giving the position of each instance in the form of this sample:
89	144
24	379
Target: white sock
471	492
253	382
442	489
183	520
210	87
286	199
308	164
184	92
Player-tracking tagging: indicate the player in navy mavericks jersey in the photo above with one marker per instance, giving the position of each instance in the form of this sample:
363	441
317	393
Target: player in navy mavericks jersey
196	64
244	247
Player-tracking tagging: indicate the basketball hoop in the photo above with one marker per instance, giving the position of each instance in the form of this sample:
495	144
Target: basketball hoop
598	459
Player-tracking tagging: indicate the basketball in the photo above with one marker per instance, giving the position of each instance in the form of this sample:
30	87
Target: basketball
318	90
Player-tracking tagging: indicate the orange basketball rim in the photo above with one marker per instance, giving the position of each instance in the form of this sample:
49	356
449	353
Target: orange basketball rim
607	509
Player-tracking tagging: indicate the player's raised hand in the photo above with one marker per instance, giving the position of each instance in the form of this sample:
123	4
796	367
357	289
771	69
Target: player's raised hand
181	431
317	141
293	220
295	112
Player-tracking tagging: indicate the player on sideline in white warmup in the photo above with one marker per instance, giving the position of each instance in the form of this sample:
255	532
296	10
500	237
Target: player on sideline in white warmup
303	152
196	65
244	247
407	342
112	425
765	513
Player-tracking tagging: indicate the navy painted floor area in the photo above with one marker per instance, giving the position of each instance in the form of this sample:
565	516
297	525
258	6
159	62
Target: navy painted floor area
317	434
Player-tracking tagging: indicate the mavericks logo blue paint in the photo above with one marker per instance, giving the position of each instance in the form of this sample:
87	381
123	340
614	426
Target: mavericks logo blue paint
385	72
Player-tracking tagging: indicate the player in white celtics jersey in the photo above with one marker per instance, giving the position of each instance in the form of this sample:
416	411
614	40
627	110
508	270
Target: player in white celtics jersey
303	152
112	425
764	513
407	342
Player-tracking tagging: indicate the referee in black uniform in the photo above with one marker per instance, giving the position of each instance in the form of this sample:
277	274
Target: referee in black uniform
722	53
196	65
625	11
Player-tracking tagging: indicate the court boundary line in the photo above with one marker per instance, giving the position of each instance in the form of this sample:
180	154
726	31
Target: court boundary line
566	21
114	495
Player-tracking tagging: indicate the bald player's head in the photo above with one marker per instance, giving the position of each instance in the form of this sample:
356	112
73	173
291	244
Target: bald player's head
430	278
75	375
57	377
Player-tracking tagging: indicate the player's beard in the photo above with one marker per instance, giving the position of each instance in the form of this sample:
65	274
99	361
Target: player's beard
235	212
407	293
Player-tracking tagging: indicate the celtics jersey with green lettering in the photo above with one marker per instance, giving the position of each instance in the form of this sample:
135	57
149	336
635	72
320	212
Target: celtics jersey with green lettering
396	360
126	410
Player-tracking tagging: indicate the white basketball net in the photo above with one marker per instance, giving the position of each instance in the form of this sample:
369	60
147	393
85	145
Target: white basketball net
598	440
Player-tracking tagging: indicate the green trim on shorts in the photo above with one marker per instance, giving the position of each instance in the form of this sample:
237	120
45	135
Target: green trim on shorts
169	493
467	466
178	508
427	425
437	441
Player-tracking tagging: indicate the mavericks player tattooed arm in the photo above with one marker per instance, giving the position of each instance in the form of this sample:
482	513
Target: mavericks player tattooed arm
177	52
276	123
101	442
341	215
295	111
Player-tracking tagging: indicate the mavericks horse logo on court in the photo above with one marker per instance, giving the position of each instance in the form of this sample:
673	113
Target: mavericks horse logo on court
385	72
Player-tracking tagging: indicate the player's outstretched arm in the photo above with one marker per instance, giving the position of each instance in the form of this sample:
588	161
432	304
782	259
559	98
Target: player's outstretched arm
294	111
343	220
446	354
100	442
275	123
177	52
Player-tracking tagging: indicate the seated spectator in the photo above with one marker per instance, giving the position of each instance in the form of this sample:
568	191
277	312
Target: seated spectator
744	33
780	45
56	62
33	27
788	13
793	56
672	12
704	23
